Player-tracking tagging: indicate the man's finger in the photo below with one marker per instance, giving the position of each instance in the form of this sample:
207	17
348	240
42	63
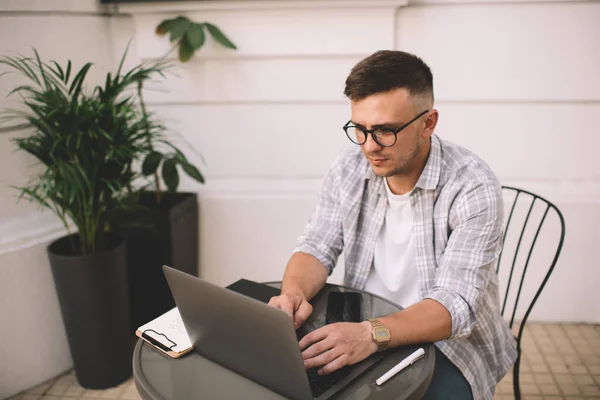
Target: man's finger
302	313
320	354
287	305
283	303
318	348
334	365
313	337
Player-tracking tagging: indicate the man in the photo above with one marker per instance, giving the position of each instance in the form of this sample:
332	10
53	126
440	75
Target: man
420	220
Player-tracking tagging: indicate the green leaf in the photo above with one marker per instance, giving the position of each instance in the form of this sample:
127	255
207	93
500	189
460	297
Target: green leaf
77	83
178	28
151	163
219	36
186	51
68	73
193	172
195	35
58	71
165	26
170	174
41	67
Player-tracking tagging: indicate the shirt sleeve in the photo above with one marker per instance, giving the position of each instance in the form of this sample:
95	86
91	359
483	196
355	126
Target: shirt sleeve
469	260
322	236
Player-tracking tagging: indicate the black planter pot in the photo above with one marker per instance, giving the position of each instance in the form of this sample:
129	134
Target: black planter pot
94	302
169	237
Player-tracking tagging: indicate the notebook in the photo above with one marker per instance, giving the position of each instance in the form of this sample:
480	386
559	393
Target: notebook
167	332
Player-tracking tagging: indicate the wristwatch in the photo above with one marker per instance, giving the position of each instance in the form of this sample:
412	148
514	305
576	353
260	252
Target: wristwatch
381	334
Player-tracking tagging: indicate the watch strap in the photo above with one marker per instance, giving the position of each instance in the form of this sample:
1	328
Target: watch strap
375	323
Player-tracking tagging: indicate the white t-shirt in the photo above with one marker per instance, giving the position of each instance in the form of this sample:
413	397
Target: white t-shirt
394	275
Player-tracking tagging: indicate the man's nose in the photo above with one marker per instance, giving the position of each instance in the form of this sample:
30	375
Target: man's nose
371	145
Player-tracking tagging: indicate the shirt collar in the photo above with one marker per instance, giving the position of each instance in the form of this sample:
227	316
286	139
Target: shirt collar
433	168
431	173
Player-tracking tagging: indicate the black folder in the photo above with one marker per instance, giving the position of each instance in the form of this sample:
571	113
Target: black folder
255	290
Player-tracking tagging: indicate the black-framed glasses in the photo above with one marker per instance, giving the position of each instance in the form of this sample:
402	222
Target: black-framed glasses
383	136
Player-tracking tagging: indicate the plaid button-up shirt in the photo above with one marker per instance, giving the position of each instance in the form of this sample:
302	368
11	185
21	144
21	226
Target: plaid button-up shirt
458	224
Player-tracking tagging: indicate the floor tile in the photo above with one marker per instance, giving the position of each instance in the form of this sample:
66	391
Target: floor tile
590	390
594	369
74	391
526	378
544	378
539	367
578	370
529	388
56	390
570	389
564	378
591	359
504	388
549	388
41	389
584	380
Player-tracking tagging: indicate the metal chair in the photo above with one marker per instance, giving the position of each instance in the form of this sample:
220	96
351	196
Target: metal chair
522	227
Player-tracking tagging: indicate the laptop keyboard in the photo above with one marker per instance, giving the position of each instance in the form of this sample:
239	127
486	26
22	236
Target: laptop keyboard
319	384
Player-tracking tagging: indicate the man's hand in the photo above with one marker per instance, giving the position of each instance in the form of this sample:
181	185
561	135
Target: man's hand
336	345
295	304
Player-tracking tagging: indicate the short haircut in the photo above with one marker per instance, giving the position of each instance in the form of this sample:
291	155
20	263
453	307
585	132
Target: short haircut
387	70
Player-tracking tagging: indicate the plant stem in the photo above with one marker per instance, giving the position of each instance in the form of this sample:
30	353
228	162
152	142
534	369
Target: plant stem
145	114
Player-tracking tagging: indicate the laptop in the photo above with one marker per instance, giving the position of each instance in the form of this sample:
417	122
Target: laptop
253	339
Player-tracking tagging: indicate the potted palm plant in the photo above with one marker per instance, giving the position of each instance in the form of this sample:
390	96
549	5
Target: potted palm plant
87	143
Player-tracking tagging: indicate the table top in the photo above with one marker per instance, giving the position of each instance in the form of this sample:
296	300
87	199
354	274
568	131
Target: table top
192	376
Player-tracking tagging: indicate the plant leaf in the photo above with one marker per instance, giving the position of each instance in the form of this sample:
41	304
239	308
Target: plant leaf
195	35
151	163
178	28
77	83
193	172
41	67
170	174
165	26
219	36
186	51
68	72
59	71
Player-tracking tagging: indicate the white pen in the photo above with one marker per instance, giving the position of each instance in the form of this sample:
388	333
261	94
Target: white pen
400	366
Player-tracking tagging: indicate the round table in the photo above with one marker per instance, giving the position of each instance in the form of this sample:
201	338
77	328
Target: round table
158	377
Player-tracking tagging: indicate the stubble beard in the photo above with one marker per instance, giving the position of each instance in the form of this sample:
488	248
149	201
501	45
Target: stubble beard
404	163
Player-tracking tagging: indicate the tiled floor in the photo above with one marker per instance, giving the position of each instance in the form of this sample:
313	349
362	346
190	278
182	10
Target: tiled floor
560	361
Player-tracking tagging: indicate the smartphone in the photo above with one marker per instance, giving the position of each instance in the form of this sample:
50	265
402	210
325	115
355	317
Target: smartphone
343	307
353	307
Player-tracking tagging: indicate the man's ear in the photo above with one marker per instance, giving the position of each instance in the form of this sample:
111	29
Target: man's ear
430	122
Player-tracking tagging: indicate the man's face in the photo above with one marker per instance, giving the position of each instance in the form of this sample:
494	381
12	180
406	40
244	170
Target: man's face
391	109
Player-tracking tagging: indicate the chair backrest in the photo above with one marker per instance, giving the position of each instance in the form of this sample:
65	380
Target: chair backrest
526	218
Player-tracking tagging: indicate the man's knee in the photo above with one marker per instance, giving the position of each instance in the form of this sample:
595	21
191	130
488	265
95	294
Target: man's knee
447	383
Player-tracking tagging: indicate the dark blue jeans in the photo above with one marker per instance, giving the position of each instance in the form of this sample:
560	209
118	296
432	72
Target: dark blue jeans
447	383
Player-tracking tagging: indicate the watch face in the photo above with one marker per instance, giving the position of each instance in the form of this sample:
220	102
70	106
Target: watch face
381	334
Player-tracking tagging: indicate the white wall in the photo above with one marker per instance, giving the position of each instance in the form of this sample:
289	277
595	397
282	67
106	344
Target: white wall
515	82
